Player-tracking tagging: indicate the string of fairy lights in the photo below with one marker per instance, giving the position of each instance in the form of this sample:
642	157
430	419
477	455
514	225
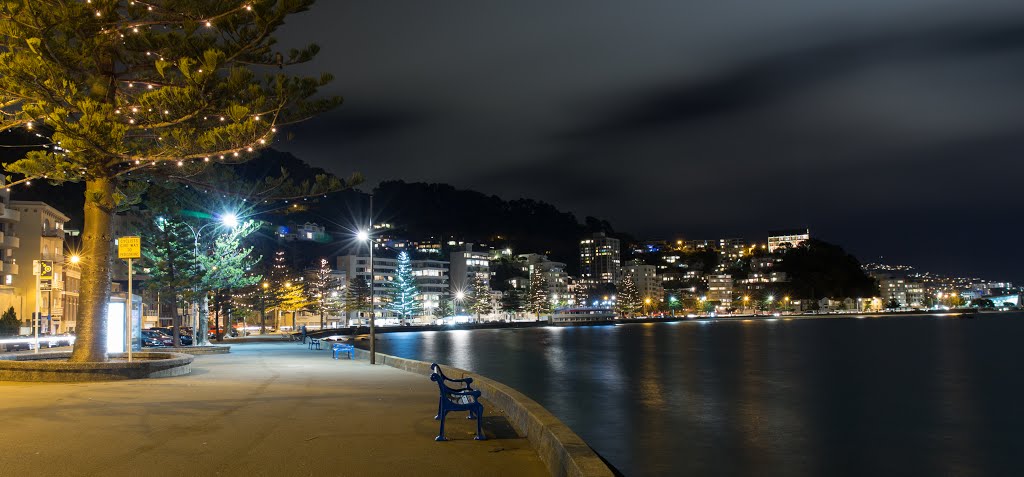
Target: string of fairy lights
246	133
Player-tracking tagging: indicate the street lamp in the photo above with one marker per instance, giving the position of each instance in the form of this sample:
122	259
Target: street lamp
364	235
228	220
263	309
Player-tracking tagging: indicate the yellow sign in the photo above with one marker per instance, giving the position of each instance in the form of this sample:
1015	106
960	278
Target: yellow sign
129	247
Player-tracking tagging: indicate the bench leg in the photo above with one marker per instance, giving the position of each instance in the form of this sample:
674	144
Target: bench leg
440	437
479	417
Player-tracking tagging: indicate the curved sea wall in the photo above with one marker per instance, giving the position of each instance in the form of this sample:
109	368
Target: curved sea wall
563	452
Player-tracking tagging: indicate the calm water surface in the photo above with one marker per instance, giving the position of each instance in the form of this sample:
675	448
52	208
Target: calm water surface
911	395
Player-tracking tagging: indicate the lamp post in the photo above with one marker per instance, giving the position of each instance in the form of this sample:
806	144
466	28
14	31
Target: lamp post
263	308
365	235
228	220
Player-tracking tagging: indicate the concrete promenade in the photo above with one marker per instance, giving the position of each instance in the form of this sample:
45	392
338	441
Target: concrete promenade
265	409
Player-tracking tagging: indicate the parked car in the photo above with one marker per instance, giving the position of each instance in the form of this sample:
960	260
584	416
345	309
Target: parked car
156	338
186	338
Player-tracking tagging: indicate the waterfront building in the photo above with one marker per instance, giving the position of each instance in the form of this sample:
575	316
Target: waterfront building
430	276
466	265
893	289
646	279
787	238
553	272
600	260
40	232
383	274
720	289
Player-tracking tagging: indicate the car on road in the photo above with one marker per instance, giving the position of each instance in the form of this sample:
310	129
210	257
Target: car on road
156	338
21	343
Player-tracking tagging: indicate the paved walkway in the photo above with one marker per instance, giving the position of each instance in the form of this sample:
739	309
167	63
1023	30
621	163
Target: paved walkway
266	409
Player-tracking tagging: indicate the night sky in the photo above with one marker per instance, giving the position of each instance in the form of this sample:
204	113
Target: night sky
891	127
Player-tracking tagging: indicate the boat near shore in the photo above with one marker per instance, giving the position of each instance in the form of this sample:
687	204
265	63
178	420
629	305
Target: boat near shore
582	316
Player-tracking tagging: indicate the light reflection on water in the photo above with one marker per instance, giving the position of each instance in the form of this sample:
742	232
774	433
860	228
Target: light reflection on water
895	396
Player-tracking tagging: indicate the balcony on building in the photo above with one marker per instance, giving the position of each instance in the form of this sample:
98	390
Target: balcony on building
10	241
10	215
10	268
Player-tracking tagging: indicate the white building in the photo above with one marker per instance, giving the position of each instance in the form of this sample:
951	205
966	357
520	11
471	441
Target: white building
646	280
600	260
554	274
40	232
431	278
720	289
787	238
466	265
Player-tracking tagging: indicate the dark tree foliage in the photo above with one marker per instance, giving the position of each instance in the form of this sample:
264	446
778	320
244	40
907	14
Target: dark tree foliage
819	269
9	324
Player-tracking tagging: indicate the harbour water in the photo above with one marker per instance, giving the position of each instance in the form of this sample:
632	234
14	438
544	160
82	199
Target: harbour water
895	396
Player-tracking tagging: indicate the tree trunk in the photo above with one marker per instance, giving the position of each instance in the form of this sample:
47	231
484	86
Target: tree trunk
97	237
203	330
216	317
321	320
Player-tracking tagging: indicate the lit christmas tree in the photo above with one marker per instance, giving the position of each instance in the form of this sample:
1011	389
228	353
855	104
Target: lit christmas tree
539	299
404	295
323	292
480	296
130	91
628	297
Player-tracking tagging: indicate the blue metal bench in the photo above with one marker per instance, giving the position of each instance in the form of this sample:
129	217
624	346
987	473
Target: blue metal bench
465	384
458	400
338	348
314	343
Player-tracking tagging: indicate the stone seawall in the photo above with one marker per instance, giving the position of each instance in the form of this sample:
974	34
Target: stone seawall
564	452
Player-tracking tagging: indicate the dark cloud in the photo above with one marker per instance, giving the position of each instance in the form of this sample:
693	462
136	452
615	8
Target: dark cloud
775	78
892	127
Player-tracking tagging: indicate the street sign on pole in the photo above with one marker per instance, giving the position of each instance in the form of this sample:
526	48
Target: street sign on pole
129	247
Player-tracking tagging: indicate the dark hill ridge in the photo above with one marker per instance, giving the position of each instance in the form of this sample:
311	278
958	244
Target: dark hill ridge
418	210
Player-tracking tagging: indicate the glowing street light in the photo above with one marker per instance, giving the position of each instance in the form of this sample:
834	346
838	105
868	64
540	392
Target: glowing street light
229	220
75	259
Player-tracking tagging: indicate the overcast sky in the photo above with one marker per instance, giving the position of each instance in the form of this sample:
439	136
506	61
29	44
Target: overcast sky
891	127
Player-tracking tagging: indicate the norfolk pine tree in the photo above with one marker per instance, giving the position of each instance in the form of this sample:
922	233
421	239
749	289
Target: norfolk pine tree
226	265
129	90
480	298
404	294
357	297
323	291
628	299
538	302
